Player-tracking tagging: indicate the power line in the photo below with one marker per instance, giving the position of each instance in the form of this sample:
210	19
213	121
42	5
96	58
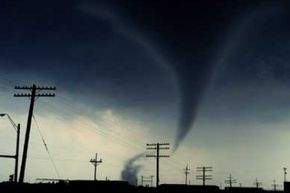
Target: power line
108	132
70	109
46	148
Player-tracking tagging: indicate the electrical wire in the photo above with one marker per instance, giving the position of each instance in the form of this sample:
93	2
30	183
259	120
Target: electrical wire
46	148
107	132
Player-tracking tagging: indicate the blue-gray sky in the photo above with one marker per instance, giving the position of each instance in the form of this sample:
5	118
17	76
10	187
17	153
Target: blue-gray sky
211	76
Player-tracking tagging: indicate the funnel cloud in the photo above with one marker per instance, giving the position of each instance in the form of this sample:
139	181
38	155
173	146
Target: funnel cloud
193	81
131	170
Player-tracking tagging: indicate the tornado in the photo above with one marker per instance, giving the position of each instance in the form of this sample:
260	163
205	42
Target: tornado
183	49
196	76
193	79
196	68
131	170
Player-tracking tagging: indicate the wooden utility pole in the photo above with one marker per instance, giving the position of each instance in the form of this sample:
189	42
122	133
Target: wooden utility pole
147	180
157	147
16	156
151	182
33	94
285	173
95	163
230	180
274	185
204	177
186	172
257	183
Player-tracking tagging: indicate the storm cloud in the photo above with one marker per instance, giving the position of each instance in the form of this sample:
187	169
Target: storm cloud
137	55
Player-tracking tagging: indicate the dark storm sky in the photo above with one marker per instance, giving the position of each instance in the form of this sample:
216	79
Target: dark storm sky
113	49
177	61
221	67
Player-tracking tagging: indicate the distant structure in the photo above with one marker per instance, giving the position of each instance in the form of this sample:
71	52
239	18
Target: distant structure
52	180
230	181
34	92
274	185
257	184
16	156
95	163
285	173
203	176
157	147
186	172
145	180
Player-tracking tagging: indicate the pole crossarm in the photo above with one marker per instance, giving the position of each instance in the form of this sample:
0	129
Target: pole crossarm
151	148
8	156
36	95
37	87
151	156
151	144
158	156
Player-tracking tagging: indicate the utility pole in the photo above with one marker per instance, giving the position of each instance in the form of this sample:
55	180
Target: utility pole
285	173
16	157
230	180
151	183
147	180
33	94
257	183
157	147
17	154
186	172
95	163
204	177
274	185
